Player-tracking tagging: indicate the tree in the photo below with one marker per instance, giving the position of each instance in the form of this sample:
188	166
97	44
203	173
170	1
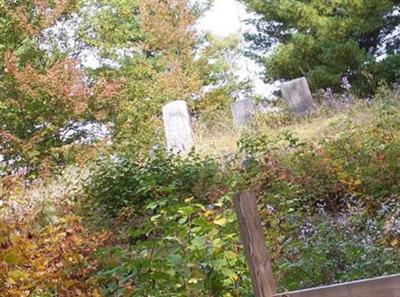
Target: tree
43	94
327	40
149	53
147	46
219	64
150	47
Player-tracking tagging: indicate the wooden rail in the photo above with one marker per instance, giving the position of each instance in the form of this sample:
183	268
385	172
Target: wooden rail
386	286
260	268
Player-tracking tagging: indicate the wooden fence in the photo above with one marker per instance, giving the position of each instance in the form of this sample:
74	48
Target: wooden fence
260	268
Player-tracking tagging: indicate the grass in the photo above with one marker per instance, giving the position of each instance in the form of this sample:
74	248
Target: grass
326	122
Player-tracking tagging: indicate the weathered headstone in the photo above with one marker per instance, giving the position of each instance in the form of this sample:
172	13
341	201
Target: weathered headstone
242	111
177	127
298	96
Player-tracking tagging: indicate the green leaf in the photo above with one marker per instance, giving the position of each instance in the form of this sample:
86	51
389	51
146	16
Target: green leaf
198	243
175	260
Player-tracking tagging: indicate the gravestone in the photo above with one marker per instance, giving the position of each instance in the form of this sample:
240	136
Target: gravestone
298	96
177	127
242	111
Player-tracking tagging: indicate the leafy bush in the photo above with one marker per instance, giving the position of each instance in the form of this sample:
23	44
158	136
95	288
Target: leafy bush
54	260
45	250
120	182
176	232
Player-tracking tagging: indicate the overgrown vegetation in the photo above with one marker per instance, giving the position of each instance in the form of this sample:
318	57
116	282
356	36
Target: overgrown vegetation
331	206
117	215
327	219
164	225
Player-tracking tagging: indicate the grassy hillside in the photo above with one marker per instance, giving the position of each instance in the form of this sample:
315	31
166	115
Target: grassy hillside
328	193
327	121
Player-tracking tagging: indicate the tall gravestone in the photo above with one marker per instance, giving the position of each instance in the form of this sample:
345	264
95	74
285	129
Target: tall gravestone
298	96
177	127
242	111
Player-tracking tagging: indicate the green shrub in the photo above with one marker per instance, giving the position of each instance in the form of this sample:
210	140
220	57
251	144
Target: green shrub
119	181
176	234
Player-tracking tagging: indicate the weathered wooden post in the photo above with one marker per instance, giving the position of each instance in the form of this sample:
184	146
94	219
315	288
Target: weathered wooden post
254	245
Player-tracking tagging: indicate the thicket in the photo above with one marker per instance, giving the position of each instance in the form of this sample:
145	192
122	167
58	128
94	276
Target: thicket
330	212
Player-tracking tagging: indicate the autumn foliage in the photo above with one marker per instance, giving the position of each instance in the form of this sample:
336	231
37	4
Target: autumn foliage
44	96
38	261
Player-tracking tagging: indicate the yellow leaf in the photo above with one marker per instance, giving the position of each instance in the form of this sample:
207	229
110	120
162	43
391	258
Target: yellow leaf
11	281
230	255
188	200
208	213
230	274
193	281
220	222
96	293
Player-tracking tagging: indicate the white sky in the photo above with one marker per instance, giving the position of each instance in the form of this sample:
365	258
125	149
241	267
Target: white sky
225	17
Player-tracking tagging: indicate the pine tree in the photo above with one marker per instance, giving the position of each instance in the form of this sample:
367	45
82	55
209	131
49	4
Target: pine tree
327	40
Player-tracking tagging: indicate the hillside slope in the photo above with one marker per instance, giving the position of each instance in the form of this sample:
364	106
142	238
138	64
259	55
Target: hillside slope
328	193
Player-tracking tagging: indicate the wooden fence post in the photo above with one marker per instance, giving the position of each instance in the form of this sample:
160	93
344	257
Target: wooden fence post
254	245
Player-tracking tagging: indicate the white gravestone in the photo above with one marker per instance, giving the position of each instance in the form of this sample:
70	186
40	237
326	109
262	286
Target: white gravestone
177	127
242	111
298	96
